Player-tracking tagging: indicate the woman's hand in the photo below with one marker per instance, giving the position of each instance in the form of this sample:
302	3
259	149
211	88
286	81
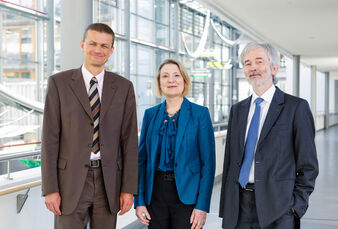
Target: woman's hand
143	215
198	218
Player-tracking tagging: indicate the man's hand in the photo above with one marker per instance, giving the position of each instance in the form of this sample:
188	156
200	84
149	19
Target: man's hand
53	202
198	218
126	202
143	215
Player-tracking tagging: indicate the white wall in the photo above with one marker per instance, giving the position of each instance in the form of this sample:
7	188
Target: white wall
32	216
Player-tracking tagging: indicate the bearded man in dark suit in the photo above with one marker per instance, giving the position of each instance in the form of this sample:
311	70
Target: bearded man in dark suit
270	162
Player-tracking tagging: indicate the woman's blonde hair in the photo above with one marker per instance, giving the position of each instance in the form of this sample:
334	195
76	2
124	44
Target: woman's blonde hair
183	71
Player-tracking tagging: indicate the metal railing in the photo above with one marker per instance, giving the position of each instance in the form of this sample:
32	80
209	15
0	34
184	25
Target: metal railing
7	157
220	126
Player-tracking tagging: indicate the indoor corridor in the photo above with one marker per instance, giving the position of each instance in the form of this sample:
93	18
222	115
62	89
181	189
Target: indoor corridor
323	209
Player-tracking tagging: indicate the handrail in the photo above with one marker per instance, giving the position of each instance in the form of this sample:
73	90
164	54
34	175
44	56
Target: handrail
220	126
20	187
16	155
20	101
20	144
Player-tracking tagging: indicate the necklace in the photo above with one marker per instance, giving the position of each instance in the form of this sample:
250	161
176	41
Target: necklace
172	114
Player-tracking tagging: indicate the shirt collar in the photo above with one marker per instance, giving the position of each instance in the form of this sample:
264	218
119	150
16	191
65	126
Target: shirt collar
267	96
87	76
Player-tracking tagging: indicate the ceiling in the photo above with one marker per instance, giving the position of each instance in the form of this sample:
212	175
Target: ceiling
308	28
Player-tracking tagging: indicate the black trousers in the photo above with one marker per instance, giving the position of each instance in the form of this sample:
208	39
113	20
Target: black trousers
165	209
248	219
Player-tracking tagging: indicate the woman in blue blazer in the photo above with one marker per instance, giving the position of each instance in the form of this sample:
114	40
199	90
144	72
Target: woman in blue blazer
176	156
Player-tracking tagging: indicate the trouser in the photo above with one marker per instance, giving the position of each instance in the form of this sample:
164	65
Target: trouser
165	209
93	206
248	219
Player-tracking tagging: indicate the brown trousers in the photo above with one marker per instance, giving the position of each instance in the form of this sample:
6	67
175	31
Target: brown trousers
92	207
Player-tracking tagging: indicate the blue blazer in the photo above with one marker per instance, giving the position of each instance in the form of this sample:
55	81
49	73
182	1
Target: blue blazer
194	162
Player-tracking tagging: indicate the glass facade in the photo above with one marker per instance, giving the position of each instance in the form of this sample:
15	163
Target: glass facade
147	33
161	29
22	77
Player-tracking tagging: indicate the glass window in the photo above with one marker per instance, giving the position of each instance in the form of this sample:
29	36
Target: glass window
199	21
144	61
162	11
31	4
110	13
162	34
186	24
22	67
144	29
145	8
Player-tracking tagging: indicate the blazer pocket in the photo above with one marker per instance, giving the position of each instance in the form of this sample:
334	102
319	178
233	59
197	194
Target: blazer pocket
195	168
62	163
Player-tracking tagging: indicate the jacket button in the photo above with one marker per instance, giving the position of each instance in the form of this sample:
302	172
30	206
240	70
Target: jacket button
92	124
89	145
175	164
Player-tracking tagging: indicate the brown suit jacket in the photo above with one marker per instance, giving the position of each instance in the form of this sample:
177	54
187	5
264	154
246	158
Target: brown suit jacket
68	132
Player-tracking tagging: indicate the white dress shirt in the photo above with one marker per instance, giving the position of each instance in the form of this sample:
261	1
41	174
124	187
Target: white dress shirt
87	76
267	96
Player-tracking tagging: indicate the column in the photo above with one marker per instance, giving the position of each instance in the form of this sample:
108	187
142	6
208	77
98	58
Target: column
335	101
314	91
296	75
127	43
327	100
76	16
50	38
175	27
1	45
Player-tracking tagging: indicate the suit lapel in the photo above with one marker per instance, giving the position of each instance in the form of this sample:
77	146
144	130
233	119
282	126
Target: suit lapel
242	122
79	89
276	106
108	92
182	124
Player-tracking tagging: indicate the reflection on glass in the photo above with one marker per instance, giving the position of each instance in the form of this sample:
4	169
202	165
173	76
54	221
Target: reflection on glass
162	34
145	8
162	11
144	29
22	41
19	43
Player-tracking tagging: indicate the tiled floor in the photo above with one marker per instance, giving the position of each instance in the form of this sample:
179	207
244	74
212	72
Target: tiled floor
323	207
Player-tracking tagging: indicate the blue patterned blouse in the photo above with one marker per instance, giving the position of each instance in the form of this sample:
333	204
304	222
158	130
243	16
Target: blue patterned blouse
166	151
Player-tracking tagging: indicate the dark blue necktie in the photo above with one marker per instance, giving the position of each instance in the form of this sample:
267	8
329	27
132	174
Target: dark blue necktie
250	145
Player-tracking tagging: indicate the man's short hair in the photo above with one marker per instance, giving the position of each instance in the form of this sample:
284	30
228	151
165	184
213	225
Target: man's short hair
183	71
102	28
273	54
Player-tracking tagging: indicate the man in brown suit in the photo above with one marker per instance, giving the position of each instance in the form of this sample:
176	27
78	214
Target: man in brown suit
89	143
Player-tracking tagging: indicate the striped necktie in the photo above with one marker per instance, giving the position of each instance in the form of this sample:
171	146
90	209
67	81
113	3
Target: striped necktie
94	101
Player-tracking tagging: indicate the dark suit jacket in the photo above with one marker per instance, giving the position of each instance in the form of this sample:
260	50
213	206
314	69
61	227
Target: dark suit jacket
68	132
194	162
286	163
